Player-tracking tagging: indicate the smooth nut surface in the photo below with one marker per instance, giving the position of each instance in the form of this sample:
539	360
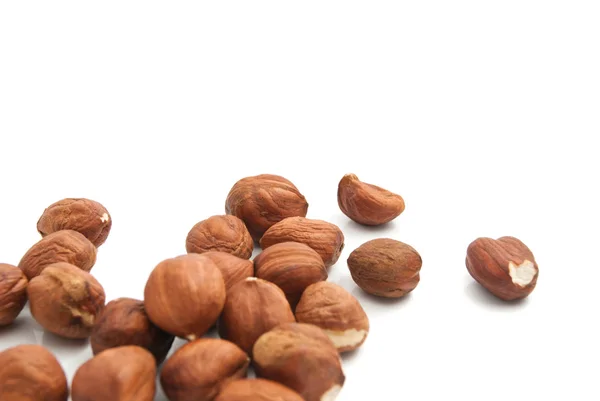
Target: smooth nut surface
198	370
257	390
325	238
263	200
220	233
505	266
338	313
385	267
117	374
62	246
65	300
86	216
232	268
31	373
366	203
13	293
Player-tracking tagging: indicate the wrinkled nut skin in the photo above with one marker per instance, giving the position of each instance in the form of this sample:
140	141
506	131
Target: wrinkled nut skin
491	262
333	309
232	268
62	246
31	373
263	200
65	300
220	233
85	216
117	374
123	322
291	266
301	357
368	204
185	295
325	238
252	308
385	267
13	293
198	370
257	390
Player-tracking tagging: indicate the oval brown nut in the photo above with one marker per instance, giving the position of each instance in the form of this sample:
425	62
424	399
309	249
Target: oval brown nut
220	233
117	374
301	357
65	300
62	246
257	390
232	268
263	200
124	321
292	267
339	314
368	204
13	293
86	216
504	266
198	370
185	295
31	373
325	238
385	267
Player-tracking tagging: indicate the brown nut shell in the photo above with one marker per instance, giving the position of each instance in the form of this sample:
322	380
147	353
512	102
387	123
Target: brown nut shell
85	216
385	267
31	373
117	374
13	293
368	204
65	300
198	370
232	268
325	238
220	233
505	267
257	390
62	246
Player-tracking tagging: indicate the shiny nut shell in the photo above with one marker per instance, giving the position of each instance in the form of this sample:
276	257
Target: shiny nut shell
13	293
232	268
257	390
220	233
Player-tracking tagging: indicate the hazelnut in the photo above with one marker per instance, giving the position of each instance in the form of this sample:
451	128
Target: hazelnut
301	357
185	295
257	390
62	246
13	293
232	268
124	321
325	238
65	300
31	373
333	309
292	267
368	204
263	200
385	267
196	371
252	308
504	266
86	216
117	374
220	233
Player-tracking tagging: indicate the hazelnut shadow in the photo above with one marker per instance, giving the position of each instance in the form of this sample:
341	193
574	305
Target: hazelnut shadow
352	228
367	298
484	298
53	341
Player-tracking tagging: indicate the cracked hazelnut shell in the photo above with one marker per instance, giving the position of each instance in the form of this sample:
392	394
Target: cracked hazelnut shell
13	293
257	390
220	233
232	268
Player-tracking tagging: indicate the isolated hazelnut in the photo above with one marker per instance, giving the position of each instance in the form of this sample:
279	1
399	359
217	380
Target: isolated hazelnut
301	357
325	238
366	203
62	246
232	268
385	267
220	233
292	266
65	300
86	216
253	307
31	373
198	370
185	295
504	266
124	321
333	309
263	200
13	293
257	390
117	374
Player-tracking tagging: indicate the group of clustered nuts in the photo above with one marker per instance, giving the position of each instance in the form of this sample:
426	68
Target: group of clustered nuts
277	313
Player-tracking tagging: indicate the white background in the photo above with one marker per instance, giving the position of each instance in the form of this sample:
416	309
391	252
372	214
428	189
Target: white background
482	115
